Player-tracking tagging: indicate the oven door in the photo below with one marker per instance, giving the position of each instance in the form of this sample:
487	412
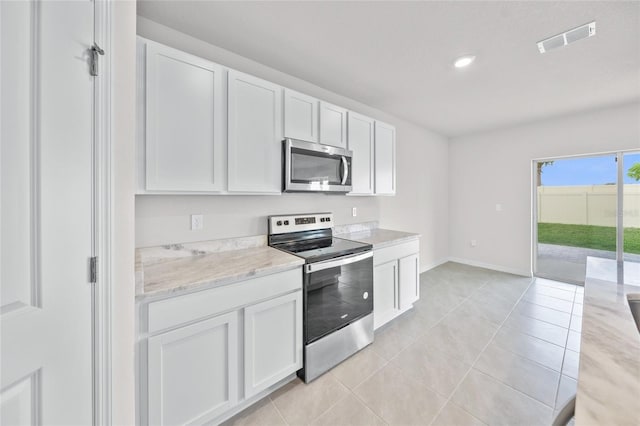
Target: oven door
315	167
337	292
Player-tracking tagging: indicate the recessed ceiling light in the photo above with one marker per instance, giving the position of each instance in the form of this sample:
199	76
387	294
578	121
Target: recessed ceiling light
567	37
464	61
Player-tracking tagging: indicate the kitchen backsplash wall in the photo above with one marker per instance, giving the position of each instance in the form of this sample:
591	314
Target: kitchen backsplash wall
165	219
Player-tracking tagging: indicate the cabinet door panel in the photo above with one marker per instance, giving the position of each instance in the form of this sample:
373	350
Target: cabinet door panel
409	282
300	116
272	341
385	287
333	125
360	141
193	371
255	134
183	122
385	159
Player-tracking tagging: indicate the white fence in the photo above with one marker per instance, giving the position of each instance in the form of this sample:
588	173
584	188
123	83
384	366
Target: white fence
588	205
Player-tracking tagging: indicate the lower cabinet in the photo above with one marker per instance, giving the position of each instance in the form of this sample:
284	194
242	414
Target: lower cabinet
198	366
193	371
272	342
409	281
385	285
396	281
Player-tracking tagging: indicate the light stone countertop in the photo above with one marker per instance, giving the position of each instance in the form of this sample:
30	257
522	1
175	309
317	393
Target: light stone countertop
175	268
164	270
378	237
609	376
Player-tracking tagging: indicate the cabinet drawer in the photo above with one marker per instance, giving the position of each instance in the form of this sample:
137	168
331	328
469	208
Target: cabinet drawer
398	251
182	309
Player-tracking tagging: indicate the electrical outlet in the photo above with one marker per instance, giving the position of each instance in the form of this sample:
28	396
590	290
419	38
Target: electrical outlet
474	243
498	207
354	212
197	222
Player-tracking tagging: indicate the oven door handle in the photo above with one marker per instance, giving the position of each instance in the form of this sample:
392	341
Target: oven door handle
345	170
314	267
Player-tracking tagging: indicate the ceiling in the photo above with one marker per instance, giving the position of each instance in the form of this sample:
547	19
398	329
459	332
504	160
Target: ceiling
397	56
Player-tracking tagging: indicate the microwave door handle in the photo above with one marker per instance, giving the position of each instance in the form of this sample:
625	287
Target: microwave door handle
345	170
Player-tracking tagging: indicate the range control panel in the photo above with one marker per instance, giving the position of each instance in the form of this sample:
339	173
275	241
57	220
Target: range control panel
300	222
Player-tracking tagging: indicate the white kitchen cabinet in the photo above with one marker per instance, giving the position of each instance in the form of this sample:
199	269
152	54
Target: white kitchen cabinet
193	372
408	281
360	141
300	116
385	287
205	355
272	341
385	159
333	125
396	280
184	121
254	135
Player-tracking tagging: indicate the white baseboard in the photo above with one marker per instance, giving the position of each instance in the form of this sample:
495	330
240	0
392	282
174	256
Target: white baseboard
500	268
425	268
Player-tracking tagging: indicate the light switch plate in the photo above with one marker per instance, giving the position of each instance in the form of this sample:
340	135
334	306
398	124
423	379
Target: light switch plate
354	212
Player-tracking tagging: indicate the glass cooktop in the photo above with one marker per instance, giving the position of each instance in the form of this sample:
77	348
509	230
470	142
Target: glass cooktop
319	249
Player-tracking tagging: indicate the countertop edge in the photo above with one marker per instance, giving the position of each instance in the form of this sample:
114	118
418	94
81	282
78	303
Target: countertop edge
227	280
609	369
366	235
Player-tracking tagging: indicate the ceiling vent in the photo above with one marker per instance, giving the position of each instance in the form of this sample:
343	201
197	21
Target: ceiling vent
575	34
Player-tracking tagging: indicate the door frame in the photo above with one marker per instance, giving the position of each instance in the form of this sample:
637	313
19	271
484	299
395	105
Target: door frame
619	154
102	217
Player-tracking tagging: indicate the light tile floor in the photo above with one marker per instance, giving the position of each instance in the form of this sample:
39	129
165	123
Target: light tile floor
480	347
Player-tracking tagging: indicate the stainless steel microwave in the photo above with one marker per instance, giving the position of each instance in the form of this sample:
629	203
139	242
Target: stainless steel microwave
311	167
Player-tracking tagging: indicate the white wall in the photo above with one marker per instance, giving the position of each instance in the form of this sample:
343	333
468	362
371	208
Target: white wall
496	168
420	206
123	138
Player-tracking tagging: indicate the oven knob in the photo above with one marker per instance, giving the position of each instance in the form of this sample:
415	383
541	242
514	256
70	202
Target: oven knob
279	223
328	219
322	219
286	222
365	295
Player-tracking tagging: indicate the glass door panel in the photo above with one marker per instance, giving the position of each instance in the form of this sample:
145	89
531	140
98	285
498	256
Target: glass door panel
631	217
576	215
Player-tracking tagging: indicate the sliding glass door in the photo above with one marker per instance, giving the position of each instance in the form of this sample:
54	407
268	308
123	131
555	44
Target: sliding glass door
577	201
631	217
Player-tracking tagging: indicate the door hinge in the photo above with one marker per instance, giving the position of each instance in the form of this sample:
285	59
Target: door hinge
93	269
95	52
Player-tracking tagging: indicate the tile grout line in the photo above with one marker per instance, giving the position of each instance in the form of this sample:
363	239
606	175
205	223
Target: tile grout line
448	399
561	367
482	351
415	339
564	355
278	411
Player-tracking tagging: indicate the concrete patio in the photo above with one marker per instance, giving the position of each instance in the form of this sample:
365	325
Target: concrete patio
569	263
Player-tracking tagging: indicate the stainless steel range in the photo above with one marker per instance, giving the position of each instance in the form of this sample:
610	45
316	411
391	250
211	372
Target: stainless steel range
337	289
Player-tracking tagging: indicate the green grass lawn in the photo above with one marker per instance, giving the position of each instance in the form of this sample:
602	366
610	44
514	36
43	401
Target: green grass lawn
587	236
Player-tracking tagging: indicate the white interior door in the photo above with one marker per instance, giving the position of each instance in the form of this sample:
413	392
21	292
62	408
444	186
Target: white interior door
46	212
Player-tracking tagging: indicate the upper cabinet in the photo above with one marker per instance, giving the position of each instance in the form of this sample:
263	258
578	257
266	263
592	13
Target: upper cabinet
385	159
206	129
183	121
254	134
333	125
360	141
300	116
